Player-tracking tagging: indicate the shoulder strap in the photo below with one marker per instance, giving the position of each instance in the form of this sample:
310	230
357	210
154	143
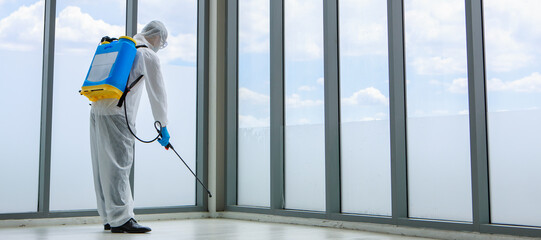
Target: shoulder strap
128	88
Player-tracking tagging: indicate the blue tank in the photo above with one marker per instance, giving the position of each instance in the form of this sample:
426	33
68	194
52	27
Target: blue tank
110	69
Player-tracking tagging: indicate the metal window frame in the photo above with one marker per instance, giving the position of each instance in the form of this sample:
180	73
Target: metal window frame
395	19
331	85
46	108
231	103
397	110
477	113
277	105
43	210
202	121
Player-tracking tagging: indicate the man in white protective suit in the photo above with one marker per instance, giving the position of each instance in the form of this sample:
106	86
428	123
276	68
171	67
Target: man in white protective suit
112	144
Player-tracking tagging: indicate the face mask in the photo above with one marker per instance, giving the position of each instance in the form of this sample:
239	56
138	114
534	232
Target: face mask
151	45
155	49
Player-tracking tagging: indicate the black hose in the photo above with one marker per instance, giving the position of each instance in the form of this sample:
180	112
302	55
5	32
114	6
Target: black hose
157	125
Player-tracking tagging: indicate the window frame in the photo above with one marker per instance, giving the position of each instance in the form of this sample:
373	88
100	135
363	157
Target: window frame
395	20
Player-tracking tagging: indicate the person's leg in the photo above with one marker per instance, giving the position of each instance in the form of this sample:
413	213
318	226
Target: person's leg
115	168
94	153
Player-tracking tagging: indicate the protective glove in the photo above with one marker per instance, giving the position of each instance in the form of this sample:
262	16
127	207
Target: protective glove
164	141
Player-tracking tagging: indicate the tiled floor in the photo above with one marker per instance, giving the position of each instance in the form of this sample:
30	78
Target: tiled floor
190	229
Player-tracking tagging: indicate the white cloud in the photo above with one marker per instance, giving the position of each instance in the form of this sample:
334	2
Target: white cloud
367	96
253	97
363	26
459	85
303	30
376	117
73	25
504	51
433	113
22	30
364	39
295	101
501	60
438	65
181	46
365	119
307	88
254	26
435	82
435	22
436	36
511	14
304	121
464	112
248	121
531	83
440	112
381	115
320	81
512	34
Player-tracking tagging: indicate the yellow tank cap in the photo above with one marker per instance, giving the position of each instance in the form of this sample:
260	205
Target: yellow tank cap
129	38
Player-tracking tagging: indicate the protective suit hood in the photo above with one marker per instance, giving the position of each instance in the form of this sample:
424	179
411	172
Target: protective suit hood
154	35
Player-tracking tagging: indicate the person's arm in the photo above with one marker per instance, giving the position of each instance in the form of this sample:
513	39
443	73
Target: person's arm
156	88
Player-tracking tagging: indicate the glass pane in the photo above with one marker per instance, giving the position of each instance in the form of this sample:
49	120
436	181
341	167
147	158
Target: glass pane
80	25
161	179
304	132
254	106
513	60
364	89
21	51
439	174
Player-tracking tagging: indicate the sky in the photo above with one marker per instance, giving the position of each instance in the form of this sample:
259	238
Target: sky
435	52
436	63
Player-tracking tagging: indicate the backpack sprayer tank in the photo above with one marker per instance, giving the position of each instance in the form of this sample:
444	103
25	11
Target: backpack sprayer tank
110	69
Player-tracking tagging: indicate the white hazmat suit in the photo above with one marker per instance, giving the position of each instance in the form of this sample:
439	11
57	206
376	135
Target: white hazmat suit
112	145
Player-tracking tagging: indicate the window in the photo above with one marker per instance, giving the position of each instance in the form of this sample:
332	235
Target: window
21	33
513	84
80	25
304	130
161	179
364	89
254	106
438	142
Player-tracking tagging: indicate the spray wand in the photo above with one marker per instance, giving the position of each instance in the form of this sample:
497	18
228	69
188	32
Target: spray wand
169	146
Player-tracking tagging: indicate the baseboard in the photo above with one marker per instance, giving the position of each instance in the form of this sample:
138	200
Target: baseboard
370	227
97	220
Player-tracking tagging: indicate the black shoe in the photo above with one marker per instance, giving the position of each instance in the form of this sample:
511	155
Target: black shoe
107	227
130	226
